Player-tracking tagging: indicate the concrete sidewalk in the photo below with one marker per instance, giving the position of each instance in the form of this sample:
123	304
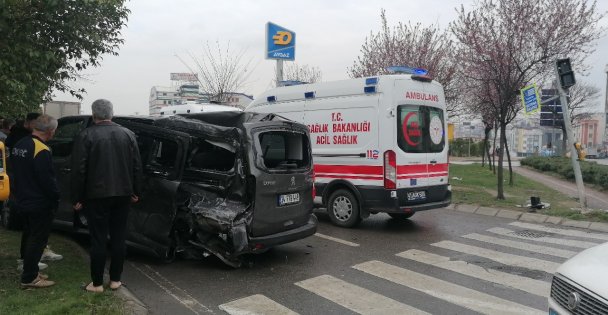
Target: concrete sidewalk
596	199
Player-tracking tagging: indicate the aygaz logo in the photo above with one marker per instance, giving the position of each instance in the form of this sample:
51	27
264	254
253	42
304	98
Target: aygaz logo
282	38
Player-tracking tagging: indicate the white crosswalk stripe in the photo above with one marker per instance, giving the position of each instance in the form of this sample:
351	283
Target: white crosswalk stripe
543	239
456	294
575	233
532	286
503	258
355	298
551	251
254	305
501	245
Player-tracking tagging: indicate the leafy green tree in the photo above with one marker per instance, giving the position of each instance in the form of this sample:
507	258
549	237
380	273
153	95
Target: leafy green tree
45	44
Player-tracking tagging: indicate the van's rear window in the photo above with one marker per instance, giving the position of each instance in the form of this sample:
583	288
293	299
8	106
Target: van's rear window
420	129
284	150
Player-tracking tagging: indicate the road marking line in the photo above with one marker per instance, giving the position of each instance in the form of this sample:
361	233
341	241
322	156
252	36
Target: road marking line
551	251
503	258
355	298
575	233
447	291
537	287
337	240
544	239
254	305
171	289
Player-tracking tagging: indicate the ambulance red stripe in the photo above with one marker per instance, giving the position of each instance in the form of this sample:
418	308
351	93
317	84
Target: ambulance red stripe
421	169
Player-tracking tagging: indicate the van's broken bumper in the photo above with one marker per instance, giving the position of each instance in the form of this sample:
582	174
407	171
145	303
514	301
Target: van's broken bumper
261	243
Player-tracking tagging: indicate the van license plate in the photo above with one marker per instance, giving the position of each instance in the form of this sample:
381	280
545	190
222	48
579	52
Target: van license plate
289	199
416	195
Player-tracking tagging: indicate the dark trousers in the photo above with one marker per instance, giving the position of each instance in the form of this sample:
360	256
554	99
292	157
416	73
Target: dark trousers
107	216
36	231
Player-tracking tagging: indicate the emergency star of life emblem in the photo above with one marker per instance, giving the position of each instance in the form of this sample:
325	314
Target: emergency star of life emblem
293	181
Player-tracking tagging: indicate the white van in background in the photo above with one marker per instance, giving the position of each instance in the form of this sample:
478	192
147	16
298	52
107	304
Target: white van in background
379	144
193	108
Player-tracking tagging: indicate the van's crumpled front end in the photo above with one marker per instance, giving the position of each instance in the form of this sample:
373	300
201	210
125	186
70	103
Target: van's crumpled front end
246	185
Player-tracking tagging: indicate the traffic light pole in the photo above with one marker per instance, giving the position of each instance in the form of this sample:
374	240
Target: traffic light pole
573	152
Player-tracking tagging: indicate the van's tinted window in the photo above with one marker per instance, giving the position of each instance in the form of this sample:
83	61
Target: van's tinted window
420	129
283	150
62	142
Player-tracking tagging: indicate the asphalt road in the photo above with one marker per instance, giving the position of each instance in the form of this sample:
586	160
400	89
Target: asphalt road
349	271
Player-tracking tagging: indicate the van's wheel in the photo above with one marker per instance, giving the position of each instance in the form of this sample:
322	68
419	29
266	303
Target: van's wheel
401	216
343	208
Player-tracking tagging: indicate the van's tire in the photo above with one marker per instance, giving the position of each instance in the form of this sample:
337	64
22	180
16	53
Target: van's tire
401	216
343	208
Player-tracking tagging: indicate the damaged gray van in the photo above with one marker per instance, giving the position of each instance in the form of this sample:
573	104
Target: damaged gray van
226	183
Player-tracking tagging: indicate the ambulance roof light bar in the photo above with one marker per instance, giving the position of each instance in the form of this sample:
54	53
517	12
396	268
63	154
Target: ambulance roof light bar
291	83
407	70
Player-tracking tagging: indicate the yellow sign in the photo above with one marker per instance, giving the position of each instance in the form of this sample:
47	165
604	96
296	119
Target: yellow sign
450	131
282	38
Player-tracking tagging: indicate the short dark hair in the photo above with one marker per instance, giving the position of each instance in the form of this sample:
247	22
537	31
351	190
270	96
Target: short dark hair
32	116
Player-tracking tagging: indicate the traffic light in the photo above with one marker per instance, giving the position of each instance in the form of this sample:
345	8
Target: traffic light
566	75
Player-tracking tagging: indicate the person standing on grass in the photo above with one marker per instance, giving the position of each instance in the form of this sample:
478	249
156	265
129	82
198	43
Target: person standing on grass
36	195
106	175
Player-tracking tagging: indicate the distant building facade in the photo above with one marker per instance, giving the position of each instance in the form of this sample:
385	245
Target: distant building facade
167	96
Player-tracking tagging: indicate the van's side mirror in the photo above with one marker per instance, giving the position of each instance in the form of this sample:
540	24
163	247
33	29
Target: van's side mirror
5	188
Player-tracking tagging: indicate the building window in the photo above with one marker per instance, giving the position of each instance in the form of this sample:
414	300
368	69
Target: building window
164	94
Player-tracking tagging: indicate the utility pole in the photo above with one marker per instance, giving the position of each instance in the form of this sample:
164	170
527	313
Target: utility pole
562	69
279	71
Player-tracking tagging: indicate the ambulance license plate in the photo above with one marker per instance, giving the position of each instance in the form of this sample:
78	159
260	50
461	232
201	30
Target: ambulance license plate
289	199
416	195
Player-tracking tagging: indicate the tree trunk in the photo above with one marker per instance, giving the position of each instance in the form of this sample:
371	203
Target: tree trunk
506	146
500	187
495	152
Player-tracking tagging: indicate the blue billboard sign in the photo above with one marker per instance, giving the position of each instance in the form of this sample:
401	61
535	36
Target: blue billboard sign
280	42
530	99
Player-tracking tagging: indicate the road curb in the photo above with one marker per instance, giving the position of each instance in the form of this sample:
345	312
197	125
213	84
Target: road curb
528	217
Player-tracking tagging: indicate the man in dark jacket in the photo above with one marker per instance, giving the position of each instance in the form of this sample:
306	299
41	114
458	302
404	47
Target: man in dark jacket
106	175
36	195
19	131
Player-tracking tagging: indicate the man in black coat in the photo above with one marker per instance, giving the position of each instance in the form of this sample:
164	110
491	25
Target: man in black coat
106	176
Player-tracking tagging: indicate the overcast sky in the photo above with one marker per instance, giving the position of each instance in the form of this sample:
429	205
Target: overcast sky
329	36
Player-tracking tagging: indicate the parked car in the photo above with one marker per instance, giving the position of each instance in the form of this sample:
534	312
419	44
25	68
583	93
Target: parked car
579	284
226	183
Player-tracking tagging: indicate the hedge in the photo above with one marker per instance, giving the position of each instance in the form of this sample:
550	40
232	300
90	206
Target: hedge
593	173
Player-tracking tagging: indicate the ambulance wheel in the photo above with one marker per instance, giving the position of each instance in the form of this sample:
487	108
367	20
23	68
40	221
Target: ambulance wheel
343	208
401	216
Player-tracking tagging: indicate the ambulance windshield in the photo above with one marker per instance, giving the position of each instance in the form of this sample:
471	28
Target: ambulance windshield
420	129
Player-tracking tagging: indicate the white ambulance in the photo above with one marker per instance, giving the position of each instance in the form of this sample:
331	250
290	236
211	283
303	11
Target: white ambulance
379	144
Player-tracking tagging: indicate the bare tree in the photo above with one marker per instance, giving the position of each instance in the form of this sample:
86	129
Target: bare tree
221	71
303	73
503	45
413	45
